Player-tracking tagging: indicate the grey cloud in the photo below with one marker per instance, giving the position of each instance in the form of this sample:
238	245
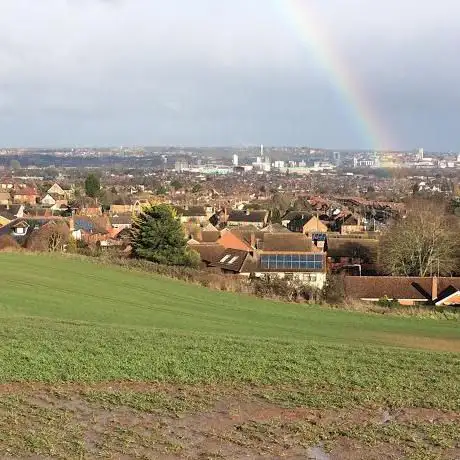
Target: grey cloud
151	71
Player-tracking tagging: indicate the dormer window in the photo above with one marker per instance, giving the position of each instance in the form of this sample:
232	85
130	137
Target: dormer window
20	228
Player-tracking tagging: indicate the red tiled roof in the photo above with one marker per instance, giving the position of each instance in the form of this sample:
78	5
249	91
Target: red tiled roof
396	287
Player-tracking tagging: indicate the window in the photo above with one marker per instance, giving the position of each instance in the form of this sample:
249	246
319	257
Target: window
232	260
305	262
224	259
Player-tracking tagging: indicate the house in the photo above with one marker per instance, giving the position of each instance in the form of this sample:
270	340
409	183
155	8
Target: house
295	216
231	239
122	221
48	201
352	224
14	210
247	217
6	185
233	261
89	229
60	192
314	225
405	290
196	214
134	207
275	228
21	229
5	198
209	252
90	211
343	252
26	195
207	234
54	202
291	256
9	213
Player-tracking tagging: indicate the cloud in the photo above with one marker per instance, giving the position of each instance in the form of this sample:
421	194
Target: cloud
151	71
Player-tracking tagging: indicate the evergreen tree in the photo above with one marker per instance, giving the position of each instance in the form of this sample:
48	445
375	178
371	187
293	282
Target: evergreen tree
275	217
157	235
92	186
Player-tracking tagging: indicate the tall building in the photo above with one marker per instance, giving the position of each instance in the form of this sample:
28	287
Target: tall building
337	158
180	166
235	160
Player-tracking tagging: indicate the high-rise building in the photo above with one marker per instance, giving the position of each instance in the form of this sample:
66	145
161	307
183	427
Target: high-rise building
235	160
180	166
420	154
337	158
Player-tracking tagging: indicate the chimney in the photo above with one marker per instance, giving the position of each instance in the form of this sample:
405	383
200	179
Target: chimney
434	288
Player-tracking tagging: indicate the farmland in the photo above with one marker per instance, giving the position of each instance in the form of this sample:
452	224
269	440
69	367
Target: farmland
101	361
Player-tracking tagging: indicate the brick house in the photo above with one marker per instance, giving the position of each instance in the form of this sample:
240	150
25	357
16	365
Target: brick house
406	290
26	195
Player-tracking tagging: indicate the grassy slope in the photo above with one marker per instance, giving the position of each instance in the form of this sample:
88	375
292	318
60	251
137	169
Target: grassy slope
68	320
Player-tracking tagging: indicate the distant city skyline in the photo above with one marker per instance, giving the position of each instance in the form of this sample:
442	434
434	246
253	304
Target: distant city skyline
151	72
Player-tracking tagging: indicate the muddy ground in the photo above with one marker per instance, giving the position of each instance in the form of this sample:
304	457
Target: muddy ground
150	421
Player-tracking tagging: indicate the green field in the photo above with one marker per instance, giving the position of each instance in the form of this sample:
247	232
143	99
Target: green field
72	328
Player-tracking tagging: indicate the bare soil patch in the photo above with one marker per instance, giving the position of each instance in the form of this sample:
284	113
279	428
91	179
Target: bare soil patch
150	421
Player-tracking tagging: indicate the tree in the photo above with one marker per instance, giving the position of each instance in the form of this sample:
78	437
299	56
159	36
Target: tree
7	242
176	185
52	237
196	188
92	186
162	190
423	243
275	216
14	164
158	236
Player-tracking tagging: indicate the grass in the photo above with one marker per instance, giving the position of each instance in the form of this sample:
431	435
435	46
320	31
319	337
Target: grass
71	322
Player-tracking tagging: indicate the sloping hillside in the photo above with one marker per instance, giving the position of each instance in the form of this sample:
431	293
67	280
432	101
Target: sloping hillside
73	330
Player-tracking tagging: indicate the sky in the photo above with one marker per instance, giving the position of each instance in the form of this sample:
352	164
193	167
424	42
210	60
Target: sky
230	72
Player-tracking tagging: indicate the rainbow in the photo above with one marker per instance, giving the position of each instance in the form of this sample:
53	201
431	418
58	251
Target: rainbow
301	15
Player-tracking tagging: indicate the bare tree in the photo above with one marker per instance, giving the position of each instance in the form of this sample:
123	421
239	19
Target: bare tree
423	243
51	237
7	242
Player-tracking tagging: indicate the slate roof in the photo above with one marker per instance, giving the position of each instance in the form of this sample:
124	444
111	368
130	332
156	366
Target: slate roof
292	215
351	220
192	211
31	223
247	216
231	260
12	209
